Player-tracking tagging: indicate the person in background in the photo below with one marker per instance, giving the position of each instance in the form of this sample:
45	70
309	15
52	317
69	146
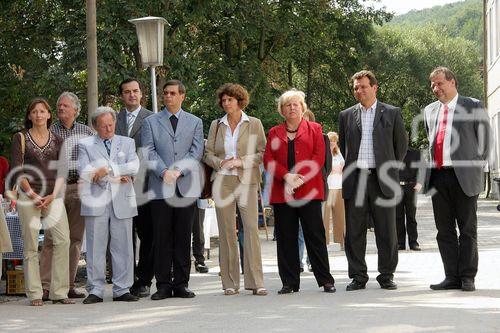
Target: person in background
335	204
4	170
407	207
294	156
234	149
41	201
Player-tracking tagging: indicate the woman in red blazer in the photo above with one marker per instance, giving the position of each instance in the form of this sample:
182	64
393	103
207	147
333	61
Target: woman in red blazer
294	156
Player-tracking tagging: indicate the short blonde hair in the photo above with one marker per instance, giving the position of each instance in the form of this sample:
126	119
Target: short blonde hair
288	96
333	136
310	115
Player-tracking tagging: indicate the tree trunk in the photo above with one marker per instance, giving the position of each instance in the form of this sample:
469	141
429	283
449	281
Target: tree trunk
309	79
290	74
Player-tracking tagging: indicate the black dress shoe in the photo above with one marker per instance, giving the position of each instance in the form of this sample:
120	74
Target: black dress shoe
140	291
415	247
355	285
73	293
446	284
127	297
329	288
287	290
200	267
401	247
301	269
183	292
161	294
91	299
388	284
468	285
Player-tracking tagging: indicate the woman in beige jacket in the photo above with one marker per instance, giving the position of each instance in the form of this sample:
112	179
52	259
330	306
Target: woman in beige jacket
234	149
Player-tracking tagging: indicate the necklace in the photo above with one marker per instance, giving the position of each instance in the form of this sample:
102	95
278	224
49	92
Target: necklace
292	131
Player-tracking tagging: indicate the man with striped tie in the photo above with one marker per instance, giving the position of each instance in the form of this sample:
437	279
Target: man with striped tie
129	123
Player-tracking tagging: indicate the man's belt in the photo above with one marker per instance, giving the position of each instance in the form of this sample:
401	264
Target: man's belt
406	183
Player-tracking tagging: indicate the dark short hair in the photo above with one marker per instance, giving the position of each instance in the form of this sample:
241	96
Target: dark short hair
178	83
448	74
128	80
365	73
236	91
34	102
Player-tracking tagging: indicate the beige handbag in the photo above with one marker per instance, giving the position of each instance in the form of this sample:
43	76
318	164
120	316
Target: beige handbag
13	194
5	243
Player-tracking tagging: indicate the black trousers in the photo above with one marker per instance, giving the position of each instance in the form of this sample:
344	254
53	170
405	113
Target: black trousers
453	207
287	230
384	219
143	229
405	216
198	244
172	226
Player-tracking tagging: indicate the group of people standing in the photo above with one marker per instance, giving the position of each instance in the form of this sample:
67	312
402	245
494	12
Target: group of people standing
139	172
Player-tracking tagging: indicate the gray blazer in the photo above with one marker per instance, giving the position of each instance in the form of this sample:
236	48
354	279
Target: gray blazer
166	150
389	144
123	161
471	135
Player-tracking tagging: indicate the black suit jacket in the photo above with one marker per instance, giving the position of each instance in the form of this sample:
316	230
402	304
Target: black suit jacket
389	144
472	137
327	167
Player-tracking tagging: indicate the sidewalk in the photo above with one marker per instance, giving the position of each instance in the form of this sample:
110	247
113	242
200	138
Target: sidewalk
411	308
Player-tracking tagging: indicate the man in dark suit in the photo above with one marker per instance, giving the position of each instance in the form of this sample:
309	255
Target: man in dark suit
407	208
174	146
372	139
129	123
459	141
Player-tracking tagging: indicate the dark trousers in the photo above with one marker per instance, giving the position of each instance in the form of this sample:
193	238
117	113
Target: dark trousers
143	229
198	244
172	226
451	208
384	219
287	230
405	216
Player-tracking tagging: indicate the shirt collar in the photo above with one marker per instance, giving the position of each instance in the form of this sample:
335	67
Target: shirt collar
373	107
452	104
102	140
244	117
177	115
61	125
135	112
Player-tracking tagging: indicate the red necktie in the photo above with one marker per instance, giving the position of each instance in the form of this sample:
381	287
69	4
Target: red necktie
439	142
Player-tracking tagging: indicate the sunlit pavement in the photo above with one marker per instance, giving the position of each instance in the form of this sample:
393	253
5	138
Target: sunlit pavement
413	307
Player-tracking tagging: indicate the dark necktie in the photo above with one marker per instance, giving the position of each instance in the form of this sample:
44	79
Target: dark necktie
107	144
173	121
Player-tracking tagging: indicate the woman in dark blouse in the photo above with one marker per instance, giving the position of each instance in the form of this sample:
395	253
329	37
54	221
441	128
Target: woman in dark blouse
294	156
40	175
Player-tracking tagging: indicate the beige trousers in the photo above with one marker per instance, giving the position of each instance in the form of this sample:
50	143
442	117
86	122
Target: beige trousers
76	224
226	220
334	209
55	219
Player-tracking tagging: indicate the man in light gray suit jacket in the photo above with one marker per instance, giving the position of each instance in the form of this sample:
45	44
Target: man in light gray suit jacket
107	164
174	146
129	123
459	133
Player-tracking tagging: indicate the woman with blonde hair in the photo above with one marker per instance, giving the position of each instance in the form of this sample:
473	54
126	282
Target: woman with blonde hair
234	149
335	204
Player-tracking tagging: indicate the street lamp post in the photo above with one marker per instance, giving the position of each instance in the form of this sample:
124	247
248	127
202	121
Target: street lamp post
150	35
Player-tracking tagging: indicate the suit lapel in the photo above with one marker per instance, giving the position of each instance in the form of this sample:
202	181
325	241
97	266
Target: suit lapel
378	114
242	137
433	123
357	116
137	123
122	121
165	122
100	147
115	147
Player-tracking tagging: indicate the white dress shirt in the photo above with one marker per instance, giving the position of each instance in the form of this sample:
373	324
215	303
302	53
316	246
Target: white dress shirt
231	142
366	156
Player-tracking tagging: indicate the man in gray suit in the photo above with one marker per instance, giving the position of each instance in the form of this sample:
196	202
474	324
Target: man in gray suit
459	139
372	139
129	123
106	164
174	146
